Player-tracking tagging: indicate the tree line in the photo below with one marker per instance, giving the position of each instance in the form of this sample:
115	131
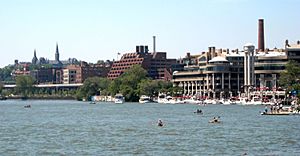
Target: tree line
133	83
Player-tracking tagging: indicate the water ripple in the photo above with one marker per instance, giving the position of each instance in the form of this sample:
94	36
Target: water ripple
76	128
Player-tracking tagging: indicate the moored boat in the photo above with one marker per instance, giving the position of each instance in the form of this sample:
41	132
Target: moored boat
163	98
144	99
280	113
119	99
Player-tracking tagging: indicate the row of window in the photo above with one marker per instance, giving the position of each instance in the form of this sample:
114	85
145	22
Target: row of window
130	60
127	64
271	61
218	68
270	68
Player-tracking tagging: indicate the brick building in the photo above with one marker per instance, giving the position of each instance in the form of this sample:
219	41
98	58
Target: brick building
79	73
156	63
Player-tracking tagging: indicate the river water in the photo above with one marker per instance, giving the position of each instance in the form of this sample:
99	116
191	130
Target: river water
80	128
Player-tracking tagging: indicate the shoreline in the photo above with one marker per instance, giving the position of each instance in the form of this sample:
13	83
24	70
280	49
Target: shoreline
42	98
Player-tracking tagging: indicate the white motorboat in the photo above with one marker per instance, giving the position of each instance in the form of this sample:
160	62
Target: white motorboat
211	101
144	99
163	98
193	101
119	99
227	102
245	101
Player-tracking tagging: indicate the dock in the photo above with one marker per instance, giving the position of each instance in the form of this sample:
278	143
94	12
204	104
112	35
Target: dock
280	113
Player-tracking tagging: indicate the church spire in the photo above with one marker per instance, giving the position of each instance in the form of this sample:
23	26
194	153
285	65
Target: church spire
57	53
34	55
34	59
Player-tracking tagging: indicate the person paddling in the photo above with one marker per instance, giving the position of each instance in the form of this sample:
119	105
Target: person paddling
160	123
215	120
199	111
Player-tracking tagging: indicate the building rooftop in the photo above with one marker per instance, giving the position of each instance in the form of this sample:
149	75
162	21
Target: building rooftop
218	59
271	53
239	54
293	46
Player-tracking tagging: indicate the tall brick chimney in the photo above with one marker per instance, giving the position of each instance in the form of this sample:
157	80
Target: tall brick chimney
261	36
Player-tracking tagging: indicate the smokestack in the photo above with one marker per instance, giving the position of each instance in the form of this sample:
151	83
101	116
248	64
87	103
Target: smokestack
141	49
213	52
261	37
154	50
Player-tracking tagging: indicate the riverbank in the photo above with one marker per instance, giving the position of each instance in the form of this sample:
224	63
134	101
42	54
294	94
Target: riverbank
42	98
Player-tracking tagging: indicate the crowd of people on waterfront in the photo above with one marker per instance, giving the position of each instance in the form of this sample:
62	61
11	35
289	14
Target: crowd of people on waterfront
277	108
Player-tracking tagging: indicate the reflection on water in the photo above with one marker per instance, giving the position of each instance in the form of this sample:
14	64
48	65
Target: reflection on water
78	128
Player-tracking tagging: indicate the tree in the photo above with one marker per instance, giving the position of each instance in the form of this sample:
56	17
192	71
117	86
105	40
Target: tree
129	80
290	77
33	67
147	87
24	85
114	86
1	88
164	86
152	87
100	62
5	73
92	86
175	91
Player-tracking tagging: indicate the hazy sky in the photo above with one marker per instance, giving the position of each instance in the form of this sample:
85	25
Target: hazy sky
94	30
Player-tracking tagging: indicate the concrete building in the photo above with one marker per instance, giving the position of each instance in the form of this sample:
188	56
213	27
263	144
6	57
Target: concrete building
215	74
293	51
222	74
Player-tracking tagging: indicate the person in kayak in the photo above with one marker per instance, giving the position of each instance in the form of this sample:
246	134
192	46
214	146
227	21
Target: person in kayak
160	123
215	120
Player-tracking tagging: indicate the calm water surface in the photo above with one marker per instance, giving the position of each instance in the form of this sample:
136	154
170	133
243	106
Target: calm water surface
80	128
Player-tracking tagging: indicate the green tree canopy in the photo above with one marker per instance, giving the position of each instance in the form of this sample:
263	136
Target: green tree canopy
153	87
147	87
92	86
24	85
5	73
1	87
290	77
127	83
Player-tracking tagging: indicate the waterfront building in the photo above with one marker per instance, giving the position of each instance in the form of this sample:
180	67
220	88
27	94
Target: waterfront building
218	74
268	66
211	75
222	74
79	73
293	51
157	64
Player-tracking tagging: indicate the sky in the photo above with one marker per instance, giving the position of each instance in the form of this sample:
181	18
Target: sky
92	30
